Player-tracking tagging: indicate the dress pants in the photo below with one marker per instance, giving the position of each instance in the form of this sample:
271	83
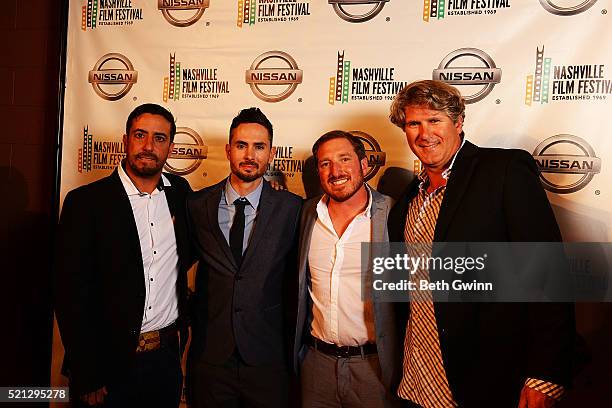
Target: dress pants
345	382
155	380
235	384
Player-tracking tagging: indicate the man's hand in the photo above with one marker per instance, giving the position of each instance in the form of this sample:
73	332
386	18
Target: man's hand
277	185
531	398
95	397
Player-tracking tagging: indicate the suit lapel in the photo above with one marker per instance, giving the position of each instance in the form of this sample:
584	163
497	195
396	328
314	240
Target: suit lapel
378	214
262	221
125	214
459	180
212	211
171	198
308	221
379	219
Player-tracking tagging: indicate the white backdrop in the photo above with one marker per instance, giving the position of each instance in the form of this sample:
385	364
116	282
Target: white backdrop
211	44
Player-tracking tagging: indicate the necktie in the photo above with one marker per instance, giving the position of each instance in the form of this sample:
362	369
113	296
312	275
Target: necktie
236	236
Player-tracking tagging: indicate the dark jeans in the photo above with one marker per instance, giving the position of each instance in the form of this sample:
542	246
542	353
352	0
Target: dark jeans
155	380
409	404
234	384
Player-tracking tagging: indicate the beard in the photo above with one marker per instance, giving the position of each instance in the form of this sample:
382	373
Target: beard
342	196
248	177
145	169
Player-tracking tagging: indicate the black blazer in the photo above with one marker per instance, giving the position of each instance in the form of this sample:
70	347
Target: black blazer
488	349
99	278
243	308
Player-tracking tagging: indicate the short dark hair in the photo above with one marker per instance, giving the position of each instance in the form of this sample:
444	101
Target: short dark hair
340	134
153	109
251	115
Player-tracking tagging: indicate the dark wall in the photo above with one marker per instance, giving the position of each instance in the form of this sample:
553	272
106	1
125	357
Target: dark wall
29	71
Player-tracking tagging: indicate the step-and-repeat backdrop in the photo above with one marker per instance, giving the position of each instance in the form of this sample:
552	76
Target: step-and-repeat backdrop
537	75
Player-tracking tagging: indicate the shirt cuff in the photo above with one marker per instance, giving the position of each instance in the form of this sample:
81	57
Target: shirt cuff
552	390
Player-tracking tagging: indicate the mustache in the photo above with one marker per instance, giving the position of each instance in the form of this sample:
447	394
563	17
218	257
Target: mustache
427	139
144	155
249	163
331	179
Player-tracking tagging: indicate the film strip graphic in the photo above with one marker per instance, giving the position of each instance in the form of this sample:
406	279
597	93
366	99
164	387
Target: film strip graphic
433	9
85	152
89	15
172	83
247	11
538	84
339	86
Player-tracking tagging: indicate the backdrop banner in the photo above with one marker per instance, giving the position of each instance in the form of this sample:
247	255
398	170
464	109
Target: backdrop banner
536	74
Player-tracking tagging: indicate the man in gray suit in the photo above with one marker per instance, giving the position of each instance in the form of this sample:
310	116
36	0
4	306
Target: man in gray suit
245	234
347	350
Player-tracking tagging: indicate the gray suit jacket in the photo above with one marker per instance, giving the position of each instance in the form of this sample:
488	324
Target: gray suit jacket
388	335
244	307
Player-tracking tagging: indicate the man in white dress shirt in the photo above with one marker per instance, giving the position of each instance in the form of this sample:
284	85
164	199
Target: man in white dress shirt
347	350
121	263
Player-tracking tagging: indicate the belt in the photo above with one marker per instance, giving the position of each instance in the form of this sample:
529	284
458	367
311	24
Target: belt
342	351
153	340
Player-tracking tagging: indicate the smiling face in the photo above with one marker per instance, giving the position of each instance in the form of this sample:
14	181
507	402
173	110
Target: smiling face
340	170
432	136
249	151
147	146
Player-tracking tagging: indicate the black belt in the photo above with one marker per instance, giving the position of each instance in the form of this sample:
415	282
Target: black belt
341	351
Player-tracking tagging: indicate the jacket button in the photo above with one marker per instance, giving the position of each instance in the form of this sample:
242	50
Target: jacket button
238	277
237	310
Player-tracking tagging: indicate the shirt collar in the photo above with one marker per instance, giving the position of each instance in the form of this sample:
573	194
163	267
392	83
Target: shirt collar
231	195
445	174
129	186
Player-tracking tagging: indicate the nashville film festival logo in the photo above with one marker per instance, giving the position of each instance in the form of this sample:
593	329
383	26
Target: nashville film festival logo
357	11
182	13
109	13
567	163
274	83
285	165
484	77
553	7
270	11
197	83
99	155
365	84
569	82
188	152
112	76
438	9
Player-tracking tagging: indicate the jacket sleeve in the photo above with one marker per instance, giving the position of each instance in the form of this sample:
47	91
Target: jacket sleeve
75	296
530	218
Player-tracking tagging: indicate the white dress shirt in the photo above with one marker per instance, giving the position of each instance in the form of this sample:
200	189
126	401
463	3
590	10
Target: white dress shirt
339	315
159	256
